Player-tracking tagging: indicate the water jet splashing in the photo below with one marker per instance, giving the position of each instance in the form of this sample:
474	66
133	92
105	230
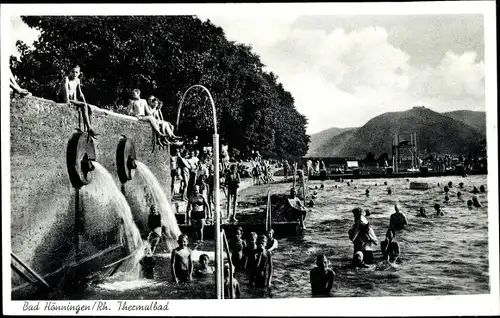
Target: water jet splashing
106	208
168	220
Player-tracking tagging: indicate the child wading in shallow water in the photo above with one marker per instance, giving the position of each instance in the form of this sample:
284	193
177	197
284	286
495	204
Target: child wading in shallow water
249	249
181	262
237	246
260	265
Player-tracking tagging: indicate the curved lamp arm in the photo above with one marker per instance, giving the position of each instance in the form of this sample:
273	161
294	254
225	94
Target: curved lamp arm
211	101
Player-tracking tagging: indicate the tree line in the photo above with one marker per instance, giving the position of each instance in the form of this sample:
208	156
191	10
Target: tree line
163	56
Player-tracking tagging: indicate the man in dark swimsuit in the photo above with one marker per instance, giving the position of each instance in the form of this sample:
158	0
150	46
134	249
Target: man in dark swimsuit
398	220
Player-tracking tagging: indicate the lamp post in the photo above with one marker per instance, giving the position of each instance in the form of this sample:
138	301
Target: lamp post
218	241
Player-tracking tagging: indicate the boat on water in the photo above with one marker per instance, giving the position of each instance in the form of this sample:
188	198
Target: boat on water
419	185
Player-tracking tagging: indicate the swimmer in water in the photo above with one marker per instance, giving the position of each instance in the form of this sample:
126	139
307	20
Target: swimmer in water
450	184
459	195
362	236
421	212
321	277
482	188
446	189
475	190
204	270
475	202
385	182
461	185
469	204
439	212
367	192
389	247
398	220
446	199
389	191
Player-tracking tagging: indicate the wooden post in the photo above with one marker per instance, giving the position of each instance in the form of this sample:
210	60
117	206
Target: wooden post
268	211
294	173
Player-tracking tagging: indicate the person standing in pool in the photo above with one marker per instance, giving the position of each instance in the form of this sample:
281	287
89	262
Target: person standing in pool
295	209
181	263
260	265
196	212
398	220
155	228
389	247
321	277
237	246
272	243
362	236
249	250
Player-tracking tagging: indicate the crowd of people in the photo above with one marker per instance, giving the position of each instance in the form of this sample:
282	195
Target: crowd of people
251	257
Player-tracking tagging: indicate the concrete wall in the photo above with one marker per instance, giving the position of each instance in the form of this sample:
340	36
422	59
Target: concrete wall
42	198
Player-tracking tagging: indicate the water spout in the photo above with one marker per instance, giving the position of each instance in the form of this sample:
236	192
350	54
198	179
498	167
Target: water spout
158	196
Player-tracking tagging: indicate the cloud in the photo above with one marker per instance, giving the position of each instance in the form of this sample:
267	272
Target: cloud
456	77
344	78
345	75
20	31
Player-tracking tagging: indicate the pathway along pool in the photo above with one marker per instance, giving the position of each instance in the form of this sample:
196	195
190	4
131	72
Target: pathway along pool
440	256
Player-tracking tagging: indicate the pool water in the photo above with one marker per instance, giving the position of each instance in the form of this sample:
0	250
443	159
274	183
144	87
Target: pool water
439	255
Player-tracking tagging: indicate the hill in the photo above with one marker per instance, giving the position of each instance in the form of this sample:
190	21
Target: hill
475	119
436	132
321	141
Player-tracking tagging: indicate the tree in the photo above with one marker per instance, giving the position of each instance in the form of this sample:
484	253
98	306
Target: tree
370	157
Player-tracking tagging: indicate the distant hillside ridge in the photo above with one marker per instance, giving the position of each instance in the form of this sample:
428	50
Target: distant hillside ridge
321	141
475	119
438	133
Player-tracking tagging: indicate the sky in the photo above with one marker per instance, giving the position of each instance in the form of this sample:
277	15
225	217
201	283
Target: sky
344	70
